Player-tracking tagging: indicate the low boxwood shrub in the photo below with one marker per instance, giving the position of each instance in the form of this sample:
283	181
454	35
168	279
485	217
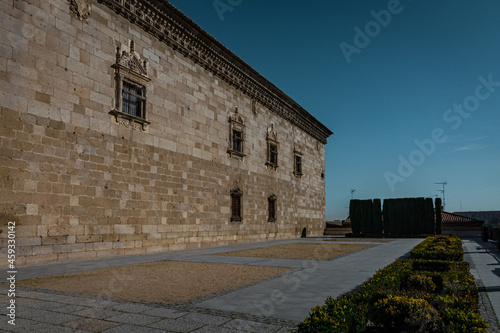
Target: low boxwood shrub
459	314
344	314
430	265
413	295
399	314
420	283
440	247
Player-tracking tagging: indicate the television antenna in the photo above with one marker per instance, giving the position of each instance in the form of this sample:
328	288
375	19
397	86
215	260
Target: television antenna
442	191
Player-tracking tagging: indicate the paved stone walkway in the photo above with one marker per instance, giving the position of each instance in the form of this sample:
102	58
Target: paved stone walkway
484	261
274	305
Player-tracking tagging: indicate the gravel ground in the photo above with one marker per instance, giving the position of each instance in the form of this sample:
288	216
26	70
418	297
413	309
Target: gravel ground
313	251
167	281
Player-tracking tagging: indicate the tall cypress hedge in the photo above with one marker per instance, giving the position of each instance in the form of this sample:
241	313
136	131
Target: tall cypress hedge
389	217
408	216
361	214
421	216
377	218
400	221
429	217
439	218
367	217
354	216
401	217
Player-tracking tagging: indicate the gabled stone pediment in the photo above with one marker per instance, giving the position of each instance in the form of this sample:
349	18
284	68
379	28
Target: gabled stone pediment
132	62
272	134
127	58
236	118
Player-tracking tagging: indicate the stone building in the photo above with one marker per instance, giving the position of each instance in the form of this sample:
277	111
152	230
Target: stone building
125	128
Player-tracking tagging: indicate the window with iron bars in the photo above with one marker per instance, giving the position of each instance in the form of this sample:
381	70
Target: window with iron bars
133	99
236	208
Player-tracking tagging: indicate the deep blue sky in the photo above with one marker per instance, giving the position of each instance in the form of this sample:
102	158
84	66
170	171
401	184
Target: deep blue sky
399	86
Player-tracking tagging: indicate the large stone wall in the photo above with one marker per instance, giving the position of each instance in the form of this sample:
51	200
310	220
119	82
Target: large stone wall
80	185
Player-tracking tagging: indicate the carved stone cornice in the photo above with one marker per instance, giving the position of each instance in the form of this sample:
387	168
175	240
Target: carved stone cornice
171	26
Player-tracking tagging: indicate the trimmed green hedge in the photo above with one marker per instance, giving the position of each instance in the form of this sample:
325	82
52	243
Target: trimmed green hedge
439	248
413	295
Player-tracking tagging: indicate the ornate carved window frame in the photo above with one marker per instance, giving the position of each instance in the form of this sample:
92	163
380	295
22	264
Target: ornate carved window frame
236	125
132	69
272	148
271	208
236	205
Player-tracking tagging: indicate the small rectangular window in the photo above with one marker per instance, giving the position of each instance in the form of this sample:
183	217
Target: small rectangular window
236	144
236	208
271	209
238	141
298	164
273	154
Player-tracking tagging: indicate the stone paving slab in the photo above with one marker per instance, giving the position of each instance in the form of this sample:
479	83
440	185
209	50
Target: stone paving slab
212	329
66	308
165	313
135	318
97	313
131	307
133	329
91	324
177	325
239	325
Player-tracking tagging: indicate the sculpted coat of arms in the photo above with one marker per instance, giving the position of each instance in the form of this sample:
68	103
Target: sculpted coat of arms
81	8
